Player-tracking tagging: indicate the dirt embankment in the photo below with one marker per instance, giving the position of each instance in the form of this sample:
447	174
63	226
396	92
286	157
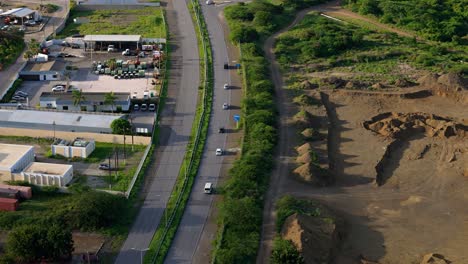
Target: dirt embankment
401	127
318	239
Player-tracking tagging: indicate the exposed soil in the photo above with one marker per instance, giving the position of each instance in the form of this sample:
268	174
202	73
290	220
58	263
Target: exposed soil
419	204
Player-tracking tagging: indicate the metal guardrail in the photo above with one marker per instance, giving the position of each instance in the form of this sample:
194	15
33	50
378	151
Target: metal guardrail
197	12
140	166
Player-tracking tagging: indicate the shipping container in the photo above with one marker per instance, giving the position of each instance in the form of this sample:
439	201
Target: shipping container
25	191
8	204
9	193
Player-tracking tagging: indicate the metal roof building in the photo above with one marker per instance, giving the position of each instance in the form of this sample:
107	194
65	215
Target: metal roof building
19	12
119	41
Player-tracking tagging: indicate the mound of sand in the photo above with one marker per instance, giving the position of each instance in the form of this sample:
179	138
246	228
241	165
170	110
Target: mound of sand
316	239
399	125
310	134
434	258
446	85
304	158
305	148
403	83
305	173
453	81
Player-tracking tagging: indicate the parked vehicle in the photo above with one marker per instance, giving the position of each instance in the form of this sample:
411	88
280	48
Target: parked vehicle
136	107
152	107
128	52
18	98
73	88
104	166
226	86
221	130
146	94
208	188
144	107
209	2
30	23
21	93
58	89
111	48
225	106
219	152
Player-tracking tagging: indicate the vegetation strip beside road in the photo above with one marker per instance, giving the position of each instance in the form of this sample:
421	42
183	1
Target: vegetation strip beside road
241	209
176	205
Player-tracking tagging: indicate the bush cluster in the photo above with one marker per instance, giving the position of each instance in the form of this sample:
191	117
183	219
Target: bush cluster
11	45
241	209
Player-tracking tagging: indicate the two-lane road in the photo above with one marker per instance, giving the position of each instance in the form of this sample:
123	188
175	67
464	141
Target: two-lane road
175	128
186	245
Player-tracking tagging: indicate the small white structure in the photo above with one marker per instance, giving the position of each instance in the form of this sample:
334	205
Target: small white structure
13	159
80	147
48	174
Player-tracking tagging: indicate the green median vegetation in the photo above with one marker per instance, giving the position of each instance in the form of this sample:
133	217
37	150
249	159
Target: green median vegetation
241	209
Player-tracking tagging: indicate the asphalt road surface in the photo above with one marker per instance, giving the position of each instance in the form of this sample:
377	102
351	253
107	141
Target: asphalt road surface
188	235
175	128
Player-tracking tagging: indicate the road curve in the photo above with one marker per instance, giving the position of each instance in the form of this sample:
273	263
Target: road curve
175	127
185	246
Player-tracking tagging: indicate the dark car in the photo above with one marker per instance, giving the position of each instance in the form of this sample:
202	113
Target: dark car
104	166
221	130
226	66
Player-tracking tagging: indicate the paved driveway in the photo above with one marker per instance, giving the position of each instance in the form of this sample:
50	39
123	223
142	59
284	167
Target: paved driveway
176	124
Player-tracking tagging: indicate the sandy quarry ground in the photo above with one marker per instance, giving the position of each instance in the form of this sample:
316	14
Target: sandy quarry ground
420	208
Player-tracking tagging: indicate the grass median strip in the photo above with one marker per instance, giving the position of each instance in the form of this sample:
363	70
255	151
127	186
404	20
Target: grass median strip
176	204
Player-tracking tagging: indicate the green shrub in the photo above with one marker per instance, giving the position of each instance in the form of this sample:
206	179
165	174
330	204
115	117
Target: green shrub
7	98
284	252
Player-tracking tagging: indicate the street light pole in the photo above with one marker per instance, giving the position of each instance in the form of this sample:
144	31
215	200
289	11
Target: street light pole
53	123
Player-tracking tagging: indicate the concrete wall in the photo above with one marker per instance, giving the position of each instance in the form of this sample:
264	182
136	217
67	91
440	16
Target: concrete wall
110	138
48	179
24	161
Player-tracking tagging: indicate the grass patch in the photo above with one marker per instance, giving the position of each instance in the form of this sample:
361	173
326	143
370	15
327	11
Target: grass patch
147	22
48	8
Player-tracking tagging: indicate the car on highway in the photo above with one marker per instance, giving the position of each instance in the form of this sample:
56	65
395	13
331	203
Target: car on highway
226	86
219	152
152	107
144	107
208	188
221	130
225	106
58	88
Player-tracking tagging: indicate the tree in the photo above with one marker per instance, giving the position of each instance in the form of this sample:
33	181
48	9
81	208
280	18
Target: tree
78	97
94	210
121	126
33	242
284	252
33	49
109	99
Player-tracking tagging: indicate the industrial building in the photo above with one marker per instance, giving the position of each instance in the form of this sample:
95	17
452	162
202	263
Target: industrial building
120	42
79	147
48	174
92	102
43	71
13	159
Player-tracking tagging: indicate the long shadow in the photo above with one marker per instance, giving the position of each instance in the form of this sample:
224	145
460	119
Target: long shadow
337	160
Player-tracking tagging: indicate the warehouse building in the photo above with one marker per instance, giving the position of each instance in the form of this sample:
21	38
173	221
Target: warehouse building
120	42
48	174
92	102
79	147
43	71
13	159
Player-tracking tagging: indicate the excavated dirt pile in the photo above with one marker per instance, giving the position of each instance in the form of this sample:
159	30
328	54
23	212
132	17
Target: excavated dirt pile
401	125
446	85
317	238
434	258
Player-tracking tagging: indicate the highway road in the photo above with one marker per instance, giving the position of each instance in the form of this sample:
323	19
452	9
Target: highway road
175	128
186	245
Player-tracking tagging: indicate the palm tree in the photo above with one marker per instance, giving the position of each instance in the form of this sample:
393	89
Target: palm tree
78	97
109	99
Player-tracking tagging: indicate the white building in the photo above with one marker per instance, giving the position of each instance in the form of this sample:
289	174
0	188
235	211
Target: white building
78	148
13	159
48	174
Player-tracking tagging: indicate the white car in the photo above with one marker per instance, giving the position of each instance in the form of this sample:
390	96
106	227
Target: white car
21	93
209	2
225	106
208	188
226	86
144	107
58	89
18	98
219	152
